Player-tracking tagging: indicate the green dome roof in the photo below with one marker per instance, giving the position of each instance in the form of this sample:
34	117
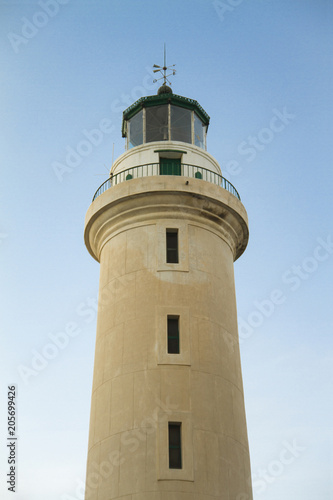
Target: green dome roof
164	90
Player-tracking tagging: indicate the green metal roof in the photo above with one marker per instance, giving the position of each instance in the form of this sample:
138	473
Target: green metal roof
157	100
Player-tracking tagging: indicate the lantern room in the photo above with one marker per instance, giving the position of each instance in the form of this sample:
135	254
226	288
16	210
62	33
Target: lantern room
165	117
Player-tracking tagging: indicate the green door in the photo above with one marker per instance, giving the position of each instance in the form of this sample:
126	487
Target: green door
170	166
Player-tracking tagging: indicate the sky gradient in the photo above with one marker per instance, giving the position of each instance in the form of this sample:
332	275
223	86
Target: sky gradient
263	71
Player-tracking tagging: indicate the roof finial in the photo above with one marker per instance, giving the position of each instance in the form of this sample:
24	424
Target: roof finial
163	70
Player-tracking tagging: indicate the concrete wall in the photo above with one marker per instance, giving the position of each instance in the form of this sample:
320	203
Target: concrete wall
138	387
148	153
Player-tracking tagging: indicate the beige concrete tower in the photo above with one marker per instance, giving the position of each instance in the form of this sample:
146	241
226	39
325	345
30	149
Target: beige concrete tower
167	412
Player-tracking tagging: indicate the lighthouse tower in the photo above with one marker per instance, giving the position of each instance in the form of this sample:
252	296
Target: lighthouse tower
167	411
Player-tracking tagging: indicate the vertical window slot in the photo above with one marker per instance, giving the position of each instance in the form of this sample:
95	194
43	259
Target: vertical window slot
173	335
172	246
175	451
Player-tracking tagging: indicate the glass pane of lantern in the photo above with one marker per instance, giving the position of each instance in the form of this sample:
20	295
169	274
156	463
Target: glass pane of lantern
136	130
157	123
198	132
180	124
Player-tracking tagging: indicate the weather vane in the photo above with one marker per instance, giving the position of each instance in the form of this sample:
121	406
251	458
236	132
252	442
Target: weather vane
163	70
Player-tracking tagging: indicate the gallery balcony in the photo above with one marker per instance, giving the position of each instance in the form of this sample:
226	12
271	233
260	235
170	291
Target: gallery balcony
156	169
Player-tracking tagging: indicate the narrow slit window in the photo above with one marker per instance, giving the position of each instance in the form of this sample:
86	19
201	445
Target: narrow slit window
173	335
172	246
175	451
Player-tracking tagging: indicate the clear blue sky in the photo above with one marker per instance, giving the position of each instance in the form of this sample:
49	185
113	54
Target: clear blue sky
262	70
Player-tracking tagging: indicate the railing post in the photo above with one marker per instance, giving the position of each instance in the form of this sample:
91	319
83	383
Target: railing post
152	169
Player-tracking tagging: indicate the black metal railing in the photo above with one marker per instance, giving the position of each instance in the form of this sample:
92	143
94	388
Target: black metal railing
153	169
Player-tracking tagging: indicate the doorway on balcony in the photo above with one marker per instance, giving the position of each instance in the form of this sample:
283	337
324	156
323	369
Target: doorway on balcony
170	166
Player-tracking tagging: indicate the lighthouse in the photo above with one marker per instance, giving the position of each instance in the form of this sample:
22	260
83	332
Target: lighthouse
167	410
